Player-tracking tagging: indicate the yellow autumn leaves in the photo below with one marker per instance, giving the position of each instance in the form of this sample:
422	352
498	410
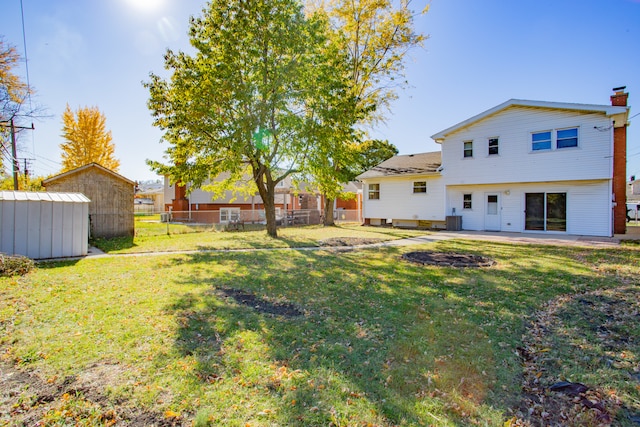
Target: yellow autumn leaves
87	140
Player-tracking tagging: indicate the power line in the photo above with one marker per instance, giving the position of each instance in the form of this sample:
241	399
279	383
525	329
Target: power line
26	67
48	160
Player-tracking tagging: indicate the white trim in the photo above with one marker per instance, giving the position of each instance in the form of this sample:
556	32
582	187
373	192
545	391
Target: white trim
587	108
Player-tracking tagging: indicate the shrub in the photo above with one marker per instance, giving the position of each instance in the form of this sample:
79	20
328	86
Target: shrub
13	265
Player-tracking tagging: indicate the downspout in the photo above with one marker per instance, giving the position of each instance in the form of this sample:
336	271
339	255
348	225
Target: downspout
612	194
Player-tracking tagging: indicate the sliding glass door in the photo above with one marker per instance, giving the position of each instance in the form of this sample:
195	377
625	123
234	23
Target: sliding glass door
546	211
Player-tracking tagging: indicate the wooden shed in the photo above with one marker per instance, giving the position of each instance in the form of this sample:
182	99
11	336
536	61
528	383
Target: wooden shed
44	225
111	208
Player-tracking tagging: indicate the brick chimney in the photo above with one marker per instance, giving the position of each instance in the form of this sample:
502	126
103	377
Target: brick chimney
619	99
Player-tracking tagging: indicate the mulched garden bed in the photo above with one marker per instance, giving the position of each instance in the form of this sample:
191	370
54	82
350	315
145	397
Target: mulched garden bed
448	259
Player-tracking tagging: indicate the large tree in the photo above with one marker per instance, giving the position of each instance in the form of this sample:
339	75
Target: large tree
252	100
368	154
87	140
375	36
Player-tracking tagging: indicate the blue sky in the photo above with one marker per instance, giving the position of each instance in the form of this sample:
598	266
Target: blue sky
478	55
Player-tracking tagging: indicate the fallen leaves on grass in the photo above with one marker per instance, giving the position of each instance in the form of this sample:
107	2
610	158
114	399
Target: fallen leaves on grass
595	326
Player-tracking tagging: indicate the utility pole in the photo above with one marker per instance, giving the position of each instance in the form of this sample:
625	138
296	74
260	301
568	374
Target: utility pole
16	165
26	171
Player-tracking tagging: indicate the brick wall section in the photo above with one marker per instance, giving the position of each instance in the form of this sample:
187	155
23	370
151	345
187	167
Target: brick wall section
619	179
619	99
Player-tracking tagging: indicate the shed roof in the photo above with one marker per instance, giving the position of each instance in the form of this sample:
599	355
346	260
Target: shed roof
85	167
25	196
608	110
407	164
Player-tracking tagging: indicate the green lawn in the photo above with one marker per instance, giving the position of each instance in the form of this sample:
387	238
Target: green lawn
153	236
378	342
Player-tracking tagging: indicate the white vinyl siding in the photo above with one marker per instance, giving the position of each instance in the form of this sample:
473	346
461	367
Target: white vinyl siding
397	201
517	161
588	205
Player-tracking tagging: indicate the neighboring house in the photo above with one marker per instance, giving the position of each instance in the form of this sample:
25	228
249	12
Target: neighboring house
111	208
522	166
202	206
149	197
633	191
349	208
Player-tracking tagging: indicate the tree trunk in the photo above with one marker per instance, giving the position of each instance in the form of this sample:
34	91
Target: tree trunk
328	212
270	213
267	191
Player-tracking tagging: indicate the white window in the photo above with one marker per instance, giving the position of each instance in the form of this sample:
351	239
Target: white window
419	187
374	191
566	138
493	146
541	141
229	215
466	201
468	148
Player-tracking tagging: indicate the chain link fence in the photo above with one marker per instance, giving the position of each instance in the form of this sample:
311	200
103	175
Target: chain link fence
231	219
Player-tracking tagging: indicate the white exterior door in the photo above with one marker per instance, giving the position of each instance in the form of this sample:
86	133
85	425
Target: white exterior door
492	212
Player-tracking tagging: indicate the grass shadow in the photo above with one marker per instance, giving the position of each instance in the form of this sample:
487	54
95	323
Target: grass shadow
381	341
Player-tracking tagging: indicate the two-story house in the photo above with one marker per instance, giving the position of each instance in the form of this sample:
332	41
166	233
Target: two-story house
522	166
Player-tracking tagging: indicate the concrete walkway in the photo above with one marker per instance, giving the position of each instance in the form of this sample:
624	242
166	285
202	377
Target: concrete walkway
504	237
513	238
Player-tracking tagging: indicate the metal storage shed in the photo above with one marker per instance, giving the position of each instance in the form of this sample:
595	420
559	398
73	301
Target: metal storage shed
44	225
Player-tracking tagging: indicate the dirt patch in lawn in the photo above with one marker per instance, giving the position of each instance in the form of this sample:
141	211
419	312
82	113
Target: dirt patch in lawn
349	241
448	259
261	305
28	399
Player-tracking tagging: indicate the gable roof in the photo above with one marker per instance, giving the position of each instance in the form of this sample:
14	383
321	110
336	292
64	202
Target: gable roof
407	164
85	167
585	108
